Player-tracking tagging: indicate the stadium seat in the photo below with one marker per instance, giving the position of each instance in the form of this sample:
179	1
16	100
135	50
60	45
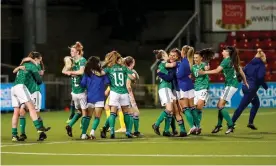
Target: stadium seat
242	34
253	34
265	34
273	77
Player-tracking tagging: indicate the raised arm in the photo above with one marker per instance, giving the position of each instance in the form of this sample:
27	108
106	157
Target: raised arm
215	71
170	65
19	68
28	59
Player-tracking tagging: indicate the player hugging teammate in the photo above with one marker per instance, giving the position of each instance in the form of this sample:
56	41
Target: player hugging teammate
26	94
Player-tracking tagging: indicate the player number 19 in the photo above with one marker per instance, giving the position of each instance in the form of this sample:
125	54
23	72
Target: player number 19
119	79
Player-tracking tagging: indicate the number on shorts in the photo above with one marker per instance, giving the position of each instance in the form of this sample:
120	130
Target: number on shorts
119	79
75	81
203	94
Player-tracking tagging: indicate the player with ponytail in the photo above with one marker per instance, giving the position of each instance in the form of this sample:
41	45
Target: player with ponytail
230	66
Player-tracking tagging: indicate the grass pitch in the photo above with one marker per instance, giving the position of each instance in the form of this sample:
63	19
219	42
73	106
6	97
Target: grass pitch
243	147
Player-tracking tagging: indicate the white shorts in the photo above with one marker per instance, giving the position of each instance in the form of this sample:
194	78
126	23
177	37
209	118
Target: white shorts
201	95
98	104
187	94
176	94
36	99
116	99
20	95
166	96
228	93
80	100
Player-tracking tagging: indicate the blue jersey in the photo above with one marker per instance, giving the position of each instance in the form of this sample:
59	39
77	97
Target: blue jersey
183	72
255	73
170	77
95	86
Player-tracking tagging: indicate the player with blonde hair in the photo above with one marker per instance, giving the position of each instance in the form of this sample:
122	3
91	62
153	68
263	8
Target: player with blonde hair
119	96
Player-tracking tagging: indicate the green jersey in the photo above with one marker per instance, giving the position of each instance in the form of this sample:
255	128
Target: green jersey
28	77
163	83
118	76
32	85
75	80
201	81
229	73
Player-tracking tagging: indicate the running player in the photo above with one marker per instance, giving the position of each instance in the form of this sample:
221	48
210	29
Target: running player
20	94
119	96
201	83
95	83
230	66
255	73
78	93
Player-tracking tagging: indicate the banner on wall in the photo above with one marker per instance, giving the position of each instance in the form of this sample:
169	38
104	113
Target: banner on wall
267	97
238	15
6	104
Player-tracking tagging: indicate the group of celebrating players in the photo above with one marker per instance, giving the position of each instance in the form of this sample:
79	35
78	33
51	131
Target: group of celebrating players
179	94
93	81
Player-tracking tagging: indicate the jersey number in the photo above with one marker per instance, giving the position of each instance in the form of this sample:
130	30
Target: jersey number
119	79
75	81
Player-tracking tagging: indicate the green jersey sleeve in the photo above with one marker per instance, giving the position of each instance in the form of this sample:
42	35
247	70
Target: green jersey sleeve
34	70
127	71
162	68
107	70
82	62
225	63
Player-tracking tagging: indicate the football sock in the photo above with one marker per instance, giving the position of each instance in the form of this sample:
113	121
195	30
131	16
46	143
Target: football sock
181	126
121	119
85	124
173	124
41	121
189	116
199	116
130	125
136	123
160	119
22	124
227	117
72	111
37	124
168	121
96	122
106	124
127	121
112	119
74	119
14	132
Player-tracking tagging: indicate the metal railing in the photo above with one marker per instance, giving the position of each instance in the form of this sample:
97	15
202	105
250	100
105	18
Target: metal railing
177	37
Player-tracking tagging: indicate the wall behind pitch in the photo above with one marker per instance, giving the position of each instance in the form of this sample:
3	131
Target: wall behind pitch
6	103
267	97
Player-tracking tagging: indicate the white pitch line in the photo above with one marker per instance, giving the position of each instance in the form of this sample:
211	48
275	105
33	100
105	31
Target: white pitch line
177	141
144	155
44	143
